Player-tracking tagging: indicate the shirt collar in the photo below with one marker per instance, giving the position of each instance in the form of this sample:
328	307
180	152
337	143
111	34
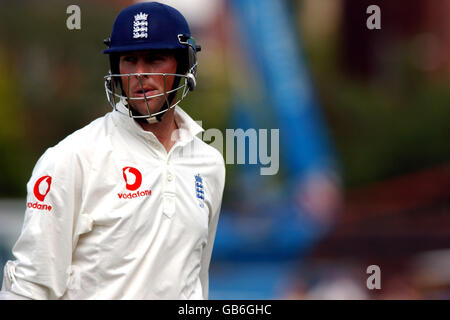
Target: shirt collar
187	127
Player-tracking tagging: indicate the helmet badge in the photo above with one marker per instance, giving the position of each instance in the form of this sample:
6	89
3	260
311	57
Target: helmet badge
140	26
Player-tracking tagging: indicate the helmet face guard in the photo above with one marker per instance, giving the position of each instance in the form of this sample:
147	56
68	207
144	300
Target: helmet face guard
116	94
151	26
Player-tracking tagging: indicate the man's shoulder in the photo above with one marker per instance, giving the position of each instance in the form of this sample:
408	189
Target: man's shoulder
88	136
76	153
82	143
206	150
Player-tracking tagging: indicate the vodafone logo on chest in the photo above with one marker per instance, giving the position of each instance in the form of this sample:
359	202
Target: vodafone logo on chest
40	190
133	181
128	174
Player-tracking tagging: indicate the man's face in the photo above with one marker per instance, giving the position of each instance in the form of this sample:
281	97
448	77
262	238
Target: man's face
136	87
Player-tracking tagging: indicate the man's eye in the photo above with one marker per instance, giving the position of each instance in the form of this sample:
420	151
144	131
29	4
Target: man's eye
129	59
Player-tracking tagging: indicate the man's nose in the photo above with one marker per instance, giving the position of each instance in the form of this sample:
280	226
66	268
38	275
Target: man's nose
141	67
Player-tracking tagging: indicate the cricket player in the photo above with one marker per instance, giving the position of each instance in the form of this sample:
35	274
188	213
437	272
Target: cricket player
126	207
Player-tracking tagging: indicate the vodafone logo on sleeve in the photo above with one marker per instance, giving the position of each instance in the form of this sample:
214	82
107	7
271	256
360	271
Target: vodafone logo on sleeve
133	181
40	190
42	187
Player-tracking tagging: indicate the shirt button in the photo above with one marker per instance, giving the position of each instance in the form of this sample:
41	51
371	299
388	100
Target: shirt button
169	177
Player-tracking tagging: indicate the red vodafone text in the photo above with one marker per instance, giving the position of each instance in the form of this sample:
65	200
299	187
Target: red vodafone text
39	206
133	195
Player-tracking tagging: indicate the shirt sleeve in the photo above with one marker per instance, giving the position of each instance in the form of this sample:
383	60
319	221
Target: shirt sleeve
43	251
217	187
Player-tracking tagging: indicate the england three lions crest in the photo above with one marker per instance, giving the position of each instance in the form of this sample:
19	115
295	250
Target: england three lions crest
199	190
140	26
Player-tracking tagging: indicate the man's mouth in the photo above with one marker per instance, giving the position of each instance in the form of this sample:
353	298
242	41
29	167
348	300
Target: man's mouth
145	92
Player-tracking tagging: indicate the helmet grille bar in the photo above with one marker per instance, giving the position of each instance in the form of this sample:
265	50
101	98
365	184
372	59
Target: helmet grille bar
111	93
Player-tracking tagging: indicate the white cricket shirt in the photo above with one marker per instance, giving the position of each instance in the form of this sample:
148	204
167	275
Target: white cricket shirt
111	215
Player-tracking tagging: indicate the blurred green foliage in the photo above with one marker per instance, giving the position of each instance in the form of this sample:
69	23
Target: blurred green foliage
392	123
53	84
12	133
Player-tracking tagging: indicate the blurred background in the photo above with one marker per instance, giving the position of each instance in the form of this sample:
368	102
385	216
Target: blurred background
364	173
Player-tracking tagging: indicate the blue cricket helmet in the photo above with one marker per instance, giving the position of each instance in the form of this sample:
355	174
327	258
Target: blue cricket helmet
147	26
